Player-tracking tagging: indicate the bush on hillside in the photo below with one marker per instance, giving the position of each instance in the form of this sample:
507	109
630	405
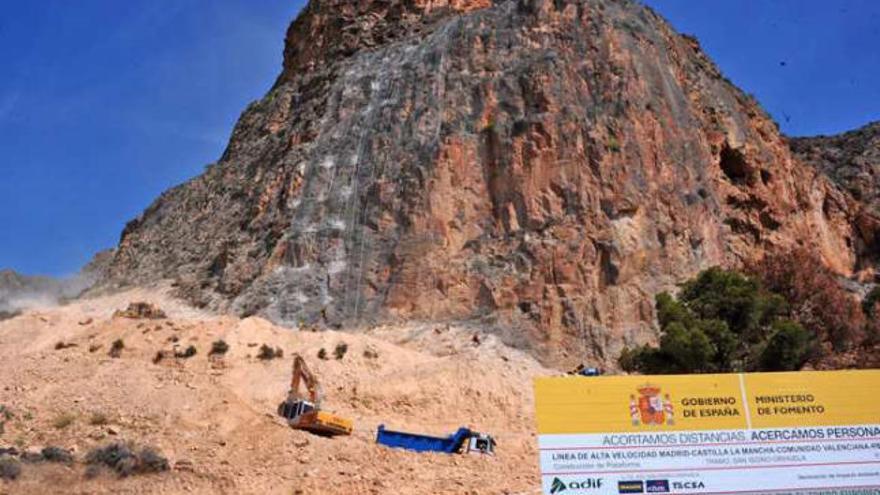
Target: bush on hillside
10	468
125	460
64	420
186	353
56	454
219	348
340	350
5	415
722	321
788	347
267	353
116	348
817	301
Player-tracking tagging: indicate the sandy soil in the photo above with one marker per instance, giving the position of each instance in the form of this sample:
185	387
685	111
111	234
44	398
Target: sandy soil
215	419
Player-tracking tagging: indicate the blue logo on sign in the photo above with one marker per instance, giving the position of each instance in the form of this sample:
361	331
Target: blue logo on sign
657	486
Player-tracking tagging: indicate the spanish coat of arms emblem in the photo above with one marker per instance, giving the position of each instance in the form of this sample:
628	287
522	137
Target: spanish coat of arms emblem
650	407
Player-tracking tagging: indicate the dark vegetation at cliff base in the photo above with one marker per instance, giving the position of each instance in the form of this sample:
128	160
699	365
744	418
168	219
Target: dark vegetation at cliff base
125	460
786	312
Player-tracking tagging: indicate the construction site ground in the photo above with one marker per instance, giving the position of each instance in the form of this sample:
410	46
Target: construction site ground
214	418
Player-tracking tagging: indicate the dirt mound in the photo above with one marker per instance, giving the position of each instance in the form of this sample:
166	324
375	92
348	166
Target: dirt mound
141	311
213	416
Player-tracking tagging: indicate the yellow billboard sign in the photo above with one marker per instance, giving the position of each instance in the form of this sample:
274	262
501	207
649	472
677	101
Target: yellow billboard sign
735	433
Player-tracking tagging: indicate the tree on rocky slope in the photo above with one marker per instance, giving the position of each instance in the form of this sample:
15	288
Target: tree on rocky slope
723	321
817	300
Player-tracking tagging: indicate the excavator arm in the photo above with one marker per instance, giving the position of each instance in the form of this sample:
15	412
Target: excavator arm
302	374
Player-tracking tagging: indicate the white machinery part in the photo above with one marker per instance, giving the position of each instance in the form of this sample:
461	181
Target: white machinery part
480	444
293	410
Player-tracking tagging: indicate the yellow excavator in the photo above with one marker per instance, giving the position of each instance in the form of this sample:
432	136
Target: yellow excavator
304	412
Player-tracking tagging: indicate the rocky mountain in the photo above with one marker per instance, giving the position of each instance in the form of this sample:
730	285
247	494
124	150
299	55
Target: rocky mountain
542	167
13	286
18	292
851	159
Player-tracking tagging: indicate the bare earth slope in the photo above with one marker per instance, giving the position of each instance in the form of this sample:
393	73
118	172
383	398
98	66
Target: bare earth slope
542	167
216	420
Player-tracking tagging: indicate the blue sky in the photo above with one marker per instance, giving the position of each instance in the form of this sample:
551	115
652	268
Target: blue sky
106	103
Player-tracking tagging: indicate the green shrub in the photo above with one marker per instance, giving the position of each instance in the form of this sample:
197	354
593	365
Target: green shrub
5	415
734	298
371	353
56	454
267	353
160	355
340	350
10	468
126	461
787	349
219	348
186	353
722	321
116	348
63	421
98	419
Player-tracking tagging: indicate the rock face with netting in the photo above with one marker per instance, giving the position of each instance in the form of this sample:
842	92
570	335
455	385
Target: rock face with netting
540	167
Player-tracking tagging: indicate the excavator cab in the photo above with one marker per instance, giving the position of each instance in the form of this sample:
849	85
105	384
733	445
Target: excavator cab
480	443
304	413
293	410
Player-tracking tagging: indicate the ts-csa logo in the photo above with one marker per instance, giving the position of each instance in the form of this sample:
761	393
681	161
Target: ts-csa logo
688	485
657	486
559	486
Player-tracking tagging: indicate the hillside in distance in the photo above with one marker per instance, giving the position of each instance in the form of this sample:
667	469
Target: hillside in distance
19	292
851	159
540	167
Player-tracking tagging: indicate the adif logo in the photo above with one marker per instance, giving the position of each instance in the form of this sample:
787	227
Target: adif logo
558	486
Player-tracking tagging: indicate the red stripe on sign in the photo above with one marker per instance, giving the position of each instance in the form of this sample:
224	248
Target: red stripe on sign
686	445
777	490
726	468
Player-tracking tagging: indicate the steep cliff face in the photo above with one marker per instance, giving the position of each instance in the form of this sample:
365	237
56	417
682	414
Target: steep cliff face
543	167
852	161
